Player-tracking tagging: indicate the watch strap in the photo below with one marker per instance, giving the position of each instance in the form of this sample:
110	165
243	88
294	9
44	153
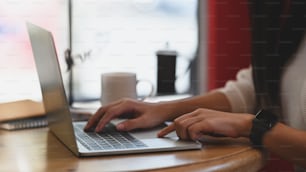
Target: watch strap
262	123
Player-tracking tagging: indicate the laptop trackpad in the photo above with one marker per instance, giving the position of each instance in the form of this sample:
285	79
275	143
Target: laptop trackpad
146	133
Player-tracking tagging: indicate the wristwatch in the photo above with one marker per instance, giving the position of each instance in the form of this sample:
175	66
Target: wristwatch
262	123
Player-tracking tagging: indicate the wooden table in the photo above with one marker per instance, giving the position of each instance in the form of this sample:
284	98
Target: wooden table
37	150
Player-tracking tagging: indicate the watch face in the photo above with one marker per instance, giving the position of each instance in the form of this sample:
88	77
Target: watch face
262	123
267	116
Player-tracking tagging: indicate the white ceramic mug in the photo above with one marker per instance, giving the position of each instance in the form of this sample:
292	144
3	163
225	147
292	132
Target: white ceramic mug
118	85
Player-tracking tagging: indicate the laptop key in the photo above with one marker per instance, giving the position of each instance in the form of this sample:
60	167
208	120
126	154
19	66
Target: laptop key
108	139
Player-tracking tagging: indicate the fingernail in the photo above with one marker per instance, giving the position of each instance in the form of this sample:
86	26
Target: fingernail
159	135
120	127
197	137
97	129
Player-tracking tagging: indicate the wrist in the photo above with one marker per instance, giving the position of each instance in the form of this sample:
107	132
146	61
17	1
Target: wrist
247	125
169	110
263	122
176	108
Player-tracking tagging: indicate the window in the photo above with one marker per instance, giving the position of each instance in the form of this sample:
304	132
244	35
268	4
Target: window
17	68
124	35
109	35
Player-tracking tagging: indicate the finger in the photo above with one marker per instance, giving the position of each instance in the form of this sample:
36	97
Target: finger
183	126
166	130
113	112
177	122
199	129
92	122
131	124
185	116
173	127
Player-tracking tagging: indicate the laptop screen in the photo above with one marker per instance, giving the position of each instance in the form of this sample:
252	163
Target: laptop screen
53	92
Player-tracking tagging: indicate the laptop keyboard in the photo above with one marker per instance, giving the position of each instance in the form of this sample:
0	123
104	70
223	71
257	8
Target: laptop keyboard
108	139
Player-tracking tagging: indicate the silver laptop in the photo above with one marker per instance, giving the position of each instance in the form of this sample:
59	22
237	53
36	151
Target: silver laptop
70	132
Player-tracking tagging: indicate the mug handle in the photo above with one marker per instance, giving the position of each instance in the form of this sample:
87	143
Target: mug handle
151	93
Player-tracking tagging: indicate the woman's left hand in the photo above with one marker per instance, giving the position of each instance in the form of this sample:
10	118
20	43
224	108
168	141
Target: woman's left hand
209	122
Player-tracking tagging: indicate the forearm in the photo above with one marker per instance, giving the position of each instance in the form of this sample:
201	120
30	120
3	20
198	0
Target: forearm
212	100
288	143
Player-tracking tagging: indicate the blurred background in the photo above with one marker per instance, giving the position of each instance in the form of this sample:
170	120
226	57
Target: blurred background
125	36
17	68
104	36
211	38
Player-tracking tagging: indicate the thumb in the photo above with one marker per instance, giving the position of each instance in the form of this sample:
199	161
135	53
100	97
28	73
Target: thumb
129	125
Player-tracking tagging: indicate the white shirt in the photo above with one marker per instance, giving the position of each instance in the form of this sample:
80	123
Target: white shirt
241	92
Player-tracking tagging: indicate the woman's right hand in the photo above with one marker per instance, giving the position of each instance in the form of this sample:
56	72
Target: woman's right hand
144	115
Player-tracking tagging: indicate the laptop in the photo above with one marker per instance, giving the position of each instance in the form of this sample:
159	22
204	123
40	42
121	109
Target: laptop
69	132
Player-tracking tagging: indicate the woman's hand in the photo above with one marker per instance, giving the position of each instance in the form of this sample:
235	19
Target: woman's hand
209	122
144	115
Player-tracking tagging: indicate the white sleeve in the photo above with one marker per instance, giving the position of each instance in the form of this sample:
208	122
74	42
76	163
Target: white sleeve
241	92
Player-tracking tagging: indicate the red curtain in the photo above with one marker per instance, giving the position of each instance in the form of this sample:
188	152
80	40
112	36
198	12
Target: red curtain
228	40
